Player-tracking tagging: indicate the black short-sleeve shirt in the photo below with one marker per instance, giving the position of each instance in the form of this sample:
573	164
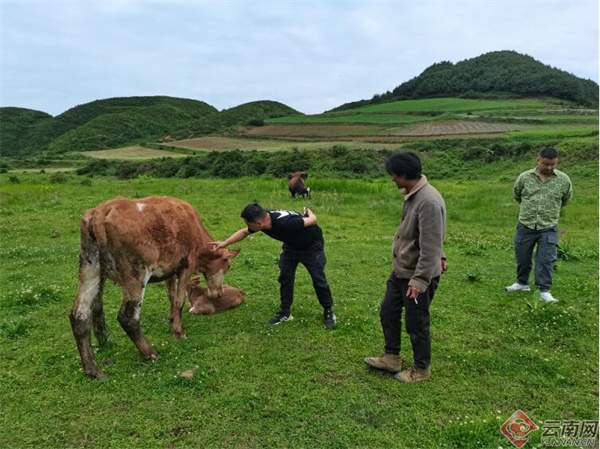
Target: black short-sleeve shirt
287	226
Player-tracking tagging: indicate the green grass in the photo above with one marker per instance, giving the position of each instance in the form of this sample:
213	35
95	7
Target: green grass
297	385
354	118
446	105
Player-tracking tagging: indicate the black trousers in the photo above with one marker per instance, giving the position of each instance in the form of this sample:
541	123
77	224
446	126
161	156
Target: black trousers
314	260
416	320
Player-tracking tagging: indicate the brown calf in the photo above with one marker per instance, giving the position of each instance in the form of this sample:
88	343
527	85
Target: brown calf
132	243
202	304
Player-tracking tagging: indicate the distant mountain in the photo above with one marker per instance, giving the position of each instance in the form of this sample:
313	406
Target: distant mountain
238	115
115	122
104	124
492	75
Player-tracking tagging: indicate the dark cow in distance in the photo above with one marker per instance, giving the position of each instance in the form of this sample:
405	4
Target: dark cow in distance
132	243
297	186
203	304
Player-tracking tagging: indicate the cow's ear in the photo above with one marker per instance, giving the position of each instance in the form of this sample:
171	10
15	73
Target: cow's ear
209	252
231	253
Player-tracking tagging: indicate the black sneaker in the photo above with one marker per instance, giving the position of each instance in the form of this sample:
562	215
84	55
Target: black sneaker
329	318
280	317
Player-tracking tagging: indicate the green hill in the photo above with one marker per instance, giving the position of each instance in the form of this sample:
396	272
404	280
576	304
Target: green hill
501	74
15	124
107	123
114	122
248	113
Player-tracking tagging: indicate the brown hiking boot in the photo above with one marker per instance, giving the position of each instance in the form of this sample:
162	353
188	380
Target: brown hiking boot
388	362
413	375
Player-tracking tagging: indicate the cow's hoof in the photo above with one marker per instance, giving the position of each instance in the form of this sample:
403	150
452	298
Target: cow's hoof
179	334
97	375
152	357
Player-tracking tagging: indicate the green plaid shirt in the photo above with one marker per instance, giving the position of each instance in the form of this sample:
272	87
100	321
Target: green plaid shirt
542	199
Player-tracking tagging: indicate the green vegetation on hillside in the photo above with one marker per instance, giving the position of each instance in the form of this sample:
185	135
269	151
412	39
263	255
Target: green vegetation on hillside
107	123
15	124
466	115
495	74
246	114
115	122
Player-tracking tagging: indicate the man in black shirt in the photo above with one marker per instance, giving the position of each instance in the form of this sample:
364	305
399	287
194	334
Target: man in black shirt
302	243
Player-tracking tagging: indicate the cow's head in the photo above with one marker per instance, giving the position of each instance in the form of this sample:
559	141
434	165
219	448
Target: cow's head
307	194
214	263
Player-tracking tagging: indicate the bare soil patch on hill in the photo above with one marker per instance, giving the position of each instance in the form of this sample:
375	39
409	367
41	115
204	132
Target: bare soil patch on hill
447	128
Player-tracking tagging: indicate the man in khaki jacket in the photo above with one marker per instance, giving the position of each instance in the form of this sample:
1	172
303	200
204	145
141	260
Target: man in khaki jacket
417	252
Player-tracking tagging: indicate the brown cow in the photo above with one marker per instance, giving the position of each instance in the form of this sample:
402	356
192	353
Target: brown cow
202	304
297	186
133	242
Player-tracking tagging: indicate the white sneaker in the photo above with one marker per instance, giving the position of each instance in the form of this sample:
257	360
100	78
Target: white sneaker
547	297
516	287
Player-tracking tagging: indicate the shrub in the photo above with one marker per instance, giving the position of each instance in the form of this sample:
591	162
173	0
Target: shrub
14	180
58	178
255	122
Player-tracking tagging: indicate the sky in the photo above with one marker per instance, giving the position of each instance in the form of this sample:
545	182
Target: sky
309	55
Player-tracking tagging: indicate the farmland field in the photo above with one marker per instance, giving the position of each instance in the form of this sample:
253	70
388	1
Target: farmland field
429	117
132	153
220	143
297	385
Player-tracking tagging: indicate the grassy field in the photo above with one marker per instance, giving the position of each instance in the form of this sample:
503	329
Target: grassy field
447	105
132	153
297	385
220	143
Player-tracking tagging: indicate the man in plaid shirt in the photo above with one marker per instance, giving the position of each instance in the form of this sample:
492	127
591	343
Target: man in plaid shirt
541	193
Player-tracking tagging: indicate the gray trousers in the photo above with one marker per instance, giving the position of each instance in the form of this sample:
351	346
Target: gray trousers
545	255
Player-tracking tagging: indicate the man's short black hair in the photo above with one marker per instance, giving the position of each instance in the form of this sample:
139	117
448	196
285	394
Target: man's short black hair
549	153
405	163
253	212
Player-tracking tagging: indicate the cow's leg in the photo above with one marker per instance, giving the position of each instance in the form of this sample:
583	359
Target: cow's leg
129	315
171	291
182	282
98	320
88	293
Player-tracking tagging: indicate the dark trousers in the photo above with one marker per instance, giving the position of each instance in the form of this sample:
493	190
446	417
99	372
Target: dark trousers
545	255
314	260
416	319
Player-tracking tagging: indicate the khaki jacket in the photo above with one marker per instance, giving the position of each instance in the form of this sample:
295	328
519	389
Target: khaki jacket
417	247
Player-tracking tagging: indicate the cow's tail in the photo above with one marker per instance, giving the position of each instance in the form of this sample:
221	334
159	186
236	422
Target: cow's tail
92	274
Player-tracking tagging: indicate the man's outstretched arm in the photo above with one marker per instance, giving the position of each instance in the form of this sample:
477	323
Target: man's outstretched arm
234	238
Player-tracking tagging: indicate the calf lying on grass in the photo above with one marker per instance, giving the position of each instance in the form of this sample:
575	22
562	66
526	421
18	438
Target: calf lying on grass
202	304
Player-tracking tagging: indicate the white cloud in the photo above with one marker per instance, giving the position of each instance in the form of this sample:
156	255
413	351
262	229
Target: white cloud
312	56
